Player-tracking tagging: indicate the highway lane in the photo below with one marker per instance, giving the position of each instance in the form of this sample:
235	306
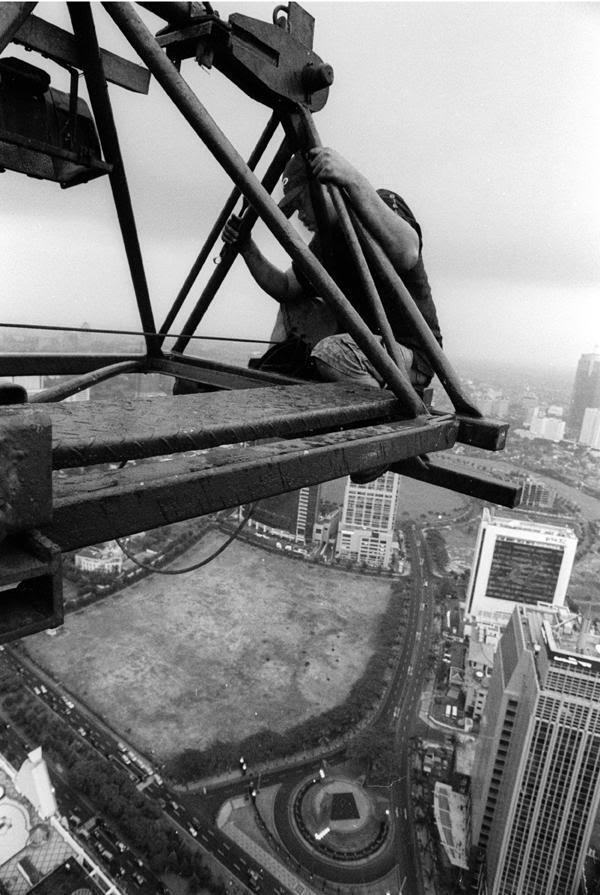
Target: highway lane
198	831
410	681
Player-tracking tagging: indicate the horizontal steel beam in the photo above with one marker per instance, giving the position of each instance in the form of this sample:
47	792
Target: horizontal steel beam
463	480
216	375
50	364
106	504
61	46
482	432
87	380
86	433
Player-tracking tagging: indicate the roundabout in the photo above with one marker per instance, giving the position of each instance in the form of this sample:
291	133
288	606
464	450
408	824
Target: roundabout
336	827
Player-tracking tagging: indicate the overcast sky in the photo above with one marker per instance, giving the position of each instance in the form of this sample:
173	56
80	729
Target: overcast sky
484	116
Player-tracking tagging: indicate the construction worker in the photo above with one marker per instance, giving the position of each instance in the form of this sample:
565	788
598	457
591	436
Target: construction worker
334	354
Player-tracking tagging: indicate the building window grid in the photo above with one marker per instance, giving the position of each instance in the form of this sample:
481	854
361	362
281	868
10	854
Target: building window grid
552	805
578	684
497	772
586	785
514	859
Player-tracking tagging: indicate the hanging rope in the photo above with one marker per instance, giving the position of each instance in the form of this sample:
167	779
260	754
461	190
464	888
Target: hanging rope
196	565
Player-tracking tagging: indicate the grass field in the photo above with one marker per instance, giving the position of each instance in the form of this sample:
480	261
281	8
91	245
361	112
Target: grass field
252	640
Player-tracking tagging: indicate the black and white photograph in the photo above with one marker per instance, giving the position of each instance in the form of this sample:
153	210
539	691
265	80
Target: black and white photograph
300	447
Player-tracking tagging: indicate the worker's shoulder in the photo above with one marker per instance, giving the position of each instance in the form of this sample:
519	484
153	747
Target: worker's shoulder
395	202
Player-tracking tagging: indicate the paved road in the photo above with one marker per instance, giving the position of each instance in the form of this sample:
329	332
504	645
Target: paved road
194	816
410	681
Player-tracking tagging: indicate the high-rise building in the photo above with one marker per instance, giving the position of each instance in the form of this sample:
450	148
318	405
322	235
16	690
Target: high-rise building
366	532
536	494
292	514
38	853
586	390
550	428
590	428
536	775
518	561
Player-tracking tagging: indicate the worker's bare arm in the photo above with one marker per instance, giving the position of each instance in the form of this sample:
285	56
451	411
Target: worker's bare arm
395	235
281	285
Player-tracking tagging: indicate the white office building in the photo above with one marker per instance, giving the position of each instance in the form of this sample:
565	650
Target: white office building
518	561
366	532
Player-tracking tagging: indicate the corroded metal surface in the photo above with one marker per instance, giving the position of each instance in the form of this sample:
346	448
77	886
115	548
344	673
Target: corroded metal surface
111	503
25	469
464	480
31	580
110	431
55	43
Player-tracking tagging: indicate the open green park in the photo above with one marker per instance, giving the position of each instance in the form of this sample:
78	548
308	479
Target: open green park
253	640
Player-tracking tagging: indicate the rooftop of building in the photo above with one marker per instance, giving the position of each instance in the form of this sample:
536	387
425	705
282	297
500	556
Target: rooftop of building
36	853
451	816
521	523
481	652
563	631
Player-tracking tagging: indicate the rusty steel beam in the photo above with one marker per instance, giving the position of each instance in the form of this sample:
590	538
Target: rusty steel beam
91	432
85	33
362	269
487	434
59	45
12	16
175	12
86	380
217	375
229	252
217	227
463	481
25	468
104	505
42	364
196	115
31	585
382	265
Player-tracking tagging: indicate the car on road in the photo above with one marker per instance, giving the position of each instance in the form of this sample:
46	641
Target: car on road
254	880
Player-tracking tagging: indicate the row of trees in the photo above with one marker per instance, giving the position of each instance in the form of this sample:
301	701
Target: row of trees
317	731
139	820
437	548
169	542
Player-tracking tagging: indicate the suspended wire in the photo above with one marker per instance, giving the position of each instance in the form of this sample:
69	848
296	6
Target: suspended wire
127	332
196	565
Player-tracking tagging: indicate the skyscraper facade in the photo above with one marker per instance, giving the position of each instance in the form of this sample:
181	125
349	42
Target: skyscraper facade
586	391
518	561
366	532
590	428
292	513
536	777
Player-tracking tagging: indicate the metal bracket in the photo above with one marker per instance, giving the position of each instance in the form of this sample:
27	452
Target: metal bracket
31	597
30	564
270	63
25	469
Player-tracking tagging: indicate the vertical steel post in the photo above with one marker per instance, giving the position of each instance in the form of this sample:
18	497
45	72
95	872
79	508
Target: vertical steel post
212	237
85	32
188	103
230	252
435	355
366	279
